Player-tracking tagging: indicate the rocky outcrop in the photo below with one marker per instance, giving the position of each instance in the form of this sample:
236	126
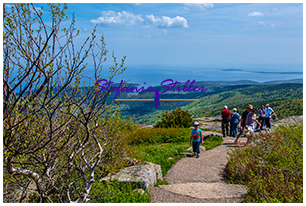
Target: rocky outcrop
209	119
143	175
288	121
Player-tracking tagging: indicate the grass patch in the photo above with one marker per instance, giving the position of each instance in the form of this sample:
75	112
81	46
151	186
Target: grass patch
212	142
159	154
117	192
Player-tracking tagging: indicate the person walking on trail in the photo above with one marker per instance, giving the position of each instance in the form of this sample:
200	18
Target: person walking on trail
197	139
243	120
225	114
250	119
268	112
235	119
261	117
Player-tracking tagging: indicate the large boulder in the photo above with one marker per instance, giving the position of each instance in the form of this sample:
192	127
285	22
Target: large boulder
144	175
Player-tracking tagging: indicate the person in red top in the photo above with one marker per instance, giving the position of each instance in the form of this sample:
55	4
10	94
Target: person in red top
225	114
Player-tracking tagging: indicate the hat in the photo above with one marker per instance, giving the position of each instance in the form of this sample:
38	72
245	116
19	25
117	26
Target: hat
267	105
196	123
225	107
249	106
234	109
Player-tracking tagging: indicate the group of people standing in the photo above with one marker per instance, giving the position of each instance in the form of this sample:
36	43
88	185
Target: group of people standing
247	121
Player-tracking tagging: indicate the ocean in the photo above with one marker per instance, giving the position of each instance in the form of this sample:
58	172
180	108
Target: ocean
154	75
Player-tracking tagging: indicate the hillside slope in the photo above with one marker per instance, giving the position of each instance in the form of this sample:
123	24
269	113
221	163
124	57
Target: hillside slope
286	99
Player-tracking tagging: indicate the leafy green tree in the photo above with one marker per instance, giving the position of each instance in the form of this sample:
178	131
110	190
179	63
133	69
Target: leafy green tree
175	119
55	129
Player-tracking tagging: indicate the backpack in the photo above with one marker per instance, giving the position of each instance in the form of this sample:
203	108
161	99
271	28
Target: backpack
235	118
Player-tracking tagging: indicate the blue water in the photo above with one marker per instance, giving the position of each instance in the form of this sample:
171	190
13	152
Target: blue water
154	75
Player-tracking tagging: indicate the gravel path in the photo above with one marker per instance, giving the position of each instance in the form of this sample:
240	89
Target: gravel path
208	168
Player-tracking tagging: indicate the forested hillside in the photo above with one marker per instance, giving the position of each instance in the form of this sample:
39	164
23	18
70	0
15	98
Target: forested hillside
286	99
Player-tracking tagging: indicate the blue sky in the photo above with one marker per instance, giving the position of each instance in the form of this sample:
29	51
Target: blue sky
196	34
200	40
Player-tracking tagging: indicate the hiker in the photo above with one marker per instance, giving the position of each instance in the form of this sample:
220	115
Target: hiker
197	139
243	118
250	119
235	119
268	112
261	118
225	114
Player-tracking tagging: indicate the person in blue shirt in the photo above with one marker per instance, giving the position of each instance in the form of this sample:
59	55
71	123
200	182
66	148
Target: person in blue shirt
268	112
235	119
197	139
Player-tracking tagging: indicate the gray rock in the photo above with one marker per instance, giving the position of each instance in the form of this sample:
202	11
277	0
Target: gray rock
288	121
141	191
144	175
216	118
187	154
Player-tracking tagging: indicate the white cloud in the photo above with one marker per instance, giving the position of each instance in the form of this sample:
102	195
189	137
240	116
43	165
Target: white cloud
255	13
165	31
262	23
200	7
166	21
112	18
274	9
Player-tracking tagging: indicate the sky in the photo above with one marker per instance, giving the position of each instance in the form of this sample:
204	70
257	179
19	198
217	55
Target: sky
195	40
179	34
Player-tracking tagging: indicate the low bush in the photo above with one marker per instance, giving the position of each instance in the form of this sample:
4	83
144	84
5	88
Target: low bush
273	169
177	118
117	192
112	135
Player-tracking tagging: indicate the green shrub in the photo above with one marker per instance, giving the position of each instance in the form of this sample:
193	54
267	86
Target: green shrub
177	118
117	192
273	169
159	135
